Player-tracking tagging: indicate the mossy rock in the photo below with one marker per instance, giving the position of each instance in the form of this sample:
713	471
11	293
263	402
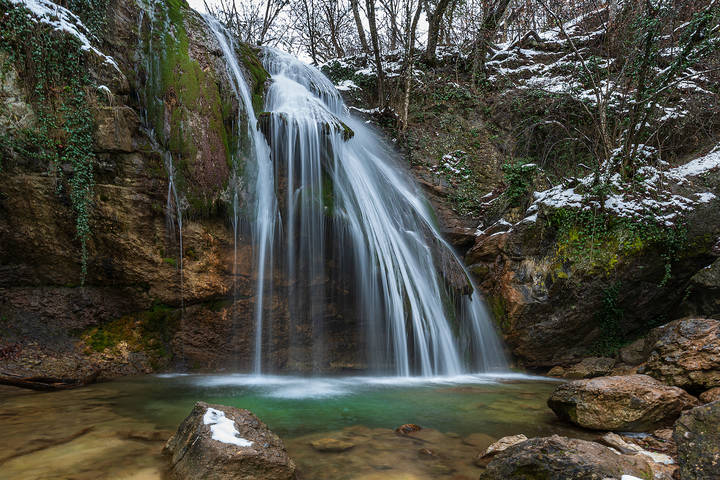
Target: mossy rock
189	108
249	56
149	331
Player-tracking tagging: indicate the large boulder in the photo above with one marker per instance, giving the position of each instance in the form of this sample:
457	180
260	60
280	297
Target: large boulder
697	435
686	354
562	458
216	442
624	403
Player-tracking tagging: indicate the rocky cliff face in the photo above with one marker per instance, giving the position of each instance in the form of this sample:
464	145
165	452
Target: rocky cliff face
557	301
133	310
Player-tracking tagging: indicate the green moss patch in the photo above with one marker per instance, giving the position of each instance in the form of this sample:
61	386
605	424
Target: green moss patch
149	332
252	63
186	111
595	242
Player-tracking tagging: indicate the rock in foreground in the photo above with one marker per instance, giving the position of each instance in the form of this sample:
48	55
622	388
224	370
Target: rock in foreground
686	354
562	458
625	403
216	442
697	434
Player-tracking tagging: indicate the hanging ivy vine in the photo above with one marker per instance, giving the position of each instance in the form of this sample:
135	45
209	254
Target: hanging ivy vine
53	68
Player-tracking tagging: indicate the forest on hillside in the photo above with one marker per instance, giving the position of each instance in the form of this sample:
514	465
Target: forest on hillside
625	62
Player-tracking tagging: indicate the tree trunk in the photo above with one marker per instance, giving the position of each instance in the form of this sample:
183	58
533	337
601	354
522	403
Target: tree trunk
434	22
487	32
358	23
409	46
370	5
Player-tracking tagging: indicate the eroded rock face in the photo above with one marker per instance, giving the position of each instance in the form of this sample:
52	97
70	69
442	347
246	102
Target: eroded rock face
588	368
551	309
561	458
697	434
623	403
704	290
709	396
686	354
216	442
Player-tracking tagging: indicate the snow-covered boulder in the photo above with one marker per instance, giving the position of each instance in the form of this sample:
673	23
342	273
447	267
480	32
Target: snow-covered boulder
216	442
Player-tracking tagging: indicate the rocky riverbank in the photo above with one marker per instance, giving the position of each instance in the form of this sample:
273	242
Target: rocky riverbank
676	434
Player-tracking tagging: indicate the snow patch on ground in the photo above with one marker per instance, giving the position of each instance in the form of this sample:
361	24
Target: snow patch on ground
223	429
656	200
369	111
346	85
699	166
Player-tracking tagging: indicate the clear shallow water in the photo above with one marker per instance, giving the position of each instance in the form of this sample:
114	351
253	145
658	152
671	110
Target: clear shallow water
117	429
294	406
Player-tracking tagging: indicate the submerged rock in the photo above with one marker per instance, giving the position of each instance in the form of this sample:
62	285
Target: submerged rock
686	354
331	445
216	442
625	403
562	458
408	428
697	434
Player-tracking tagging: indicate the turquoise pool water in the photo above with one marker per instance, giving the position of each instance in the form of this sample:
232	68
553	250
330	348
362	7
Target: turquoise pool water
117	429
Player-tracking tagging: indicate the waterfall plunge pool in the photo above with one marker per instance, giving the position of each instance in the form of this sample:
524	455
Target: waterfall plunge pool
117	429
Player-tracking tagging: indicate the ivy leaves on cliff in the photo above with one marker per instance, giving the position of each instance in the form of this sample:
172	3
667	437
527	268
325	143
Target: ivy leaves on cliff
53	67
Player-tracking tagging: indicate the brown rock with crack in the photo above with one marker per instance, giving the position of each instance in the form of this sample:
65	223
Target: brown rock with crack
216	442
686	354
562	458
625	403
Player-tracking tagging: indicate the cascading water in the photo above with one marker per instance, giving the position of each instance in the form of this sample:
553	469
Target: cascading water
264	206
325	189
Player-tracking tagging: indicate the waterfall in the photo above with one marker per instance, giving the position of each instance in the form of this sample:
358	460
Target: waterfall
327	190
260	167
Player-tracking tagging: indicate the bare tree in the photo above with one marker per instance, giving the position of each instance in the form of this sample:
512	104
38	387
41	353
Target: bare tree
485	35
413	9
375	40
434	18
252	21
391	10
627	87
354	4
